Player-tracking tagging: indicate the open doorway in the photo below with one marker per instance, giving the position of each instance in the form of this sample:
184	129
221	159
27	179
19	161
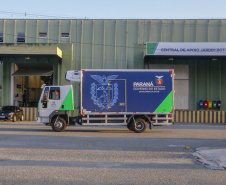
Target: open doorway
27	82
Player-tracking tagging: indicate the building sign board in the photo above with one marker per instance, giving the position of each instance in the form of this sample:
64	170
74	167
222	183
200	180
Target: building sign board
186	48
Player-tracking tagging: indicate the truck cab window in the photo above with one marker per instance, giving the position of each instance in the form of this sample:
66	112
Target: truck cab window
54	93
46	93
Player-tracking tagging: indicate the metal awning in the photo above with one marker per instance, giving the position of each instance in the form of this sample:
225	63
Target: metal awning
33	72
30	50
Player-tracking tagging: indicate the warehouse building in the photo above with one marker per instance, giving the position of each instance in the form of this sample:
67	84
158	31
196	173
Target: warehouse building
33	52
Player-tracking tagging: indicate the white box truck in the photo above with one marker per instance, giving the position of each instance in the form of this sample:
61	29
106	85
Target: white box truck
133	98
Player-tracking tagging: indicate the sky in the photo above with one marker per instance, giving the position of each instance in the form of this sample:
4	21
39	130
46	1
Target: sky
112	9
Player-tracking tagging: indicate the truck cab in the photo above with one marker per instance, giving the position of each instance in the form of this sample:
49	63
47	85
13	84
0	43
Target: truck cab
54	101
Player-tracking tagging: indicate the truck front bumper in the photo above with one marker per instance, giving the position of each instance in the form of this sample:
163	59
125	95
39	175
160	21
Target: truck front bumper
38	120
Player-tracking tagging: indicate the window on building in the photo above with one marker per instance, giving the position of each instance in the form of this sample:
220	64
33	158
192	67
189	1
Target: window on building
1	37
20	37
42	35
65	35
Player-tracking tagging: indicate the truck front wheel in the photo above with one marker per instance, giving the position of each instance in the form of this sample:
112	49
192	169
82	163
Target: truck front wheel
58	124
139	125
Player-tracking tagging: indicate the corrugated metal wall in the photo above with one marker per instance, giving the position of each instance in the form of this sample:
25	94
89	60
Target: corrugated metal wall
119	44
110	43
207	81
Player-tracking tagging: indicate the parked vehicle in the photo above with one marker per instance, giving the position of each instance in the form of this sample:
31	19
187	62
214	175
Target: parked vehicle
12	113
133	98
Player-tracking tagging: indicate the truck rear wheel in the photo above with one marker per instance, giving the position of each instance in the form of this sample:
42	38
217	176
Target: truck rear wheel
58	124
139	125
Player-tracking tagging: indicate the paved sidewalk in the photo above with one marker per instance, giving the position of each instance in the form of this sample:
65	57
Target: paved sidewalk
212	158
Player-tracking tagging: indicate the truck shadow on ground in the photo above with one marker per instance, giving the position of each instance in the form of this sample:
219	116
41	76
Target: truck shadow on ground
49	130
114	131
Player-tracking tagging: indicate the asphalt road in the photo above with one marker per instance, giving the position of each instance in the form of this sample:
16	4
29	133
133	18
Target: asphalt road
32	153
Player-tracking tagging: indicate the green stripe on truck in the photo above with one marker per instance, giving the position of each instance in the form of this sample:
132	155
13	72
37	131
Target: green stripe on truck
68	102
166	105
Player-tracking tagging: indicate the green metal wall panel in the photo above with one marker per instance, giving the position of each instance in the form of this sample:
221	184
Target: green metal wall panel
132	30
201	30
202	80
9	29
66	63
213	30
190	30
141	26
76	39
31	31
193	84
143	30
54	36
222	31
214	81
64	27
178	31
138	56
20	26
120	44
155	31
87	38
166	33
223	85
42	27
6	88
98	44
1	26
109	44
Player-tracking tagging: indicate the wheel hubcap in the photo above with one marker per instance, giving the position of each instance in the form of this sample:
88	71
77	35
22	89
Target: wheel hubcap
58	124
139	125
